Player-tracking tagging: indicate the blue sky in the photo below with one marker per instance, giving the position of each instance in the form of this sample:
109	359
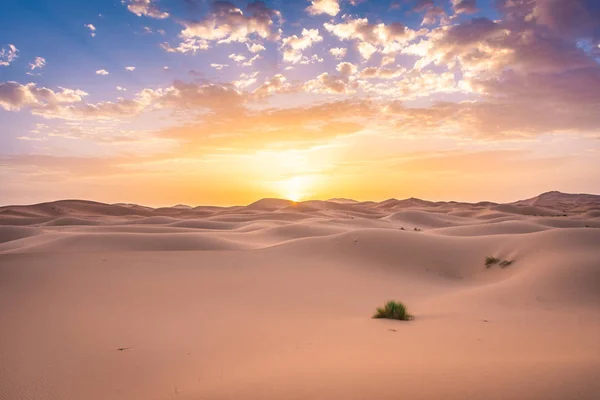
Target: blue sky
145	90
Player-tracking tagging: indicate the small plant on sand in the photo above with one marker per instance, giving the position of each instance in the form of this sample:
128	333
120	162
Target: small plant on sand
393	310
489	261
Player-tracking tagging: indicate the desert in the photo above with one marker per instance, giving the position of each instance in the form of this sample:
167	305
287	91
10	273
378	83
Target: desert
274	300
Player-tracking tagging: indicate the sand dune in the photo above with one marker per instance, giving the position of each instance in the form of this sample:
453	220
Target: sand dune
492	228
9	233
273	300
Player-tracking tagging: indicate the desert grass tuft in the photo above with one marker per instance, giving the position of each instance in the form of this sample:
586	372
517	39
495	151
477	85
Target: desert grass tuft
393	310
489	261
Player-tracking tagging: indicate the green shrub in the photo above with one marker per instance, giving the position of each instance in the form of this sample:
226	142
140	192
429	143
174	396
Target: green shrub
393	310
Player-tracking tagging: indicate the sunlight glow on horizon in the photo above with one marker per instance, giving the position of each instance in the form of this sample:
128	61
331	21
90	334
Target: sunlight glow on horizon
296	188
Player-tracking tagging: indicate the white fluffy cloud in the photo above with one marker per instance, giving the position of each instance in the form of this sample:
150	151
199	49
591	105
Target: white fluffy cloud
146	8
38	63
130	68
331	7
366	50
294	45
227	23
255	48
102	72
338	52
8	54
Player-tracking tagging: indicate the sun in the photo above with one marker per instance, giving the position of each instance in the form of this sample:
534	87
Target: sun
296	188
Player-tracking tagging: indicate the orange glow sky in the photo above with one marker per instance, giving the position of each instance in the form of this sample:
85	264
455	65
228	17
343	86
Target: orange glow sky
166	102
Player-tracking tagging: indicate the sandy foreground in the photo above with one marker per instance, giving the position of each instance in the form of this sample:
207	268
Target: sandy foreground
273	300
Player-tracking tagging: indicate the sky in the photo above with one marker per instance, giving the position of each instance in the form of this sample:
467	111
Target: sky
161	102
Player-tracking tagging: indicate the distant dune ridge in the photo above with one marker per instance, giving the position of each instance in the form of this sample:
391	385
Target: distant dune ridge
274	300
549	202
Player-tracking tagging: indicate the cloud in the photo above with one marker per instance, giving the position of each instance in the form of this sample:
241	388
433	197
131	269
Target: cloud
434	15
342	83
121	89
189	45
536	103
387	60
382	73
246	80
294	45
338	52
575	19
102	72
372	38
464	6
227	23
251	61
130	68
515	106
484	47
271	128
330	7
275	85
366	50
238	58
8	54
14	96
525	74
146	8
219	66
190	96
38	63
412	85
315	58
68	104
92	29
255	48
